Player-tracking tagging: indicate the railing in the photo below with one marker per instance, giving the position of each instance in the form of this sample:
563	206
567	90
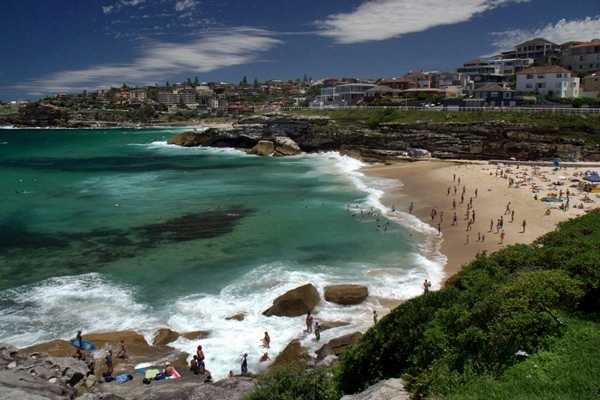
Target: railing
551	110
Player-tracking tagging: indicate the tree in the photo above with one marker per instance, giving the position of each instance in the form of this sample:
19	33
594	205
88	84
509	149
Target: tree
196	81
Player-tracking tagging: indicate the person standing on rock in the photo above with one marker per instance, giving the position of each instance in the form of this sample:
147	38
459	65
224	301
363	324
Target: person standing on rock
200	354
244	364
309	323
79	339
109	363
123	351
317	331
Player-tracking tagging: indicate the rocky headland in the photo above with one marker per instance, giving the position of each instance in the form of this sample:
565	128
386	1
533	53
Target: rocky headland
284	134
49	370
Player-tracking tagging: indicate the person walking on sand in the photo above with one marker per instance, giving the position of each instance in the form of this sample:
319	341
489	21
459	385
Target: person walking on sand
491	225
467	241
507	209
439	229
410	208
309	323
502	237
524	224
454	220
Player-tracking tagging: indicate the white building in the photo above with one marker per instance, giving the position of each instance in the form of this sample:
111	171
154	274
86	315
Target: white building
546	80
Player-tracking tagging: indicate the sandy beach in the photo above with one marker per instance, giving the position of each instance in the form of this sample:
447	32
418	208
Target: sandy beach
436	185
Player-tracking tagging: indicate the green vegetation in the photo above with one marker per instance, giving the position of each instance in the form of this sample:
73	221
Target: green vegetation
586	127
295	382
521	323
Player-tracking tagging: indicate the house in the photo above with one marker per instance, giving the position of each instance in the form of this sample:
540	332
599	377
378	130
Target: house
480	72
581	57
350	93
590	86
381	93
541	50
495	95
548	80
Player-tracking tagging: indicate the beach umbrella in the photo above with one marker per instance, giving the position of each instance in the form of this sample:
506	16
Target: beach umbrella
562	177
592	177
513	159
501	165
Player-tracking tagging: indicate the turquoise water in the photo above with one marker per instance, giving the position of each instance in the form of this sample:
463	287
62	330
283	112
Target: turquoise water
104	230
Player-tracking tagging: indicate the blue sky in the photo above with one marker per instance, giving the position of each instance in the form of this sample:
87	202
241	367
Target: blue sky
67	46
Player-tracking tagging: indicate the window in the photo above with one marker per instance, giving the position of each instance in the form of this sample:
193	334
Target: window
493	94
529	76
559	75
506	95
583	58
540	76
529	86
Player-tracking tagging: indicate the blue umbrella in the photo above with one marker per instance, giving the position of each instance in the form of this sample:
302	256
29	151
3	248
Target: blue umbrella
592	177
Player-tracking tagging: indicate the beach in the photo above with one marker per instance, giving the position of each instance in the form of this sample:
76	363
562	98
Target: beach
430	185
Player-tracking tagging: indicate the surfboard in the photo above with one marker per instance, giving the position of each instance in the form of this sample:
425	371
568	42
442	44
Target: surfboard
85	345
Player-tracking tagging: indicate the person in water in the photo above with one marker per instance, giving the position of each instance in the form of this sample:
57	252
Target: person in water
266	341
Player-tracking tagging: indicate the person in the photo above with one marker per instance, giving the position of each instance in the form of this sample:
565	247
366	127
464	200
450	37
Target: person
266	341
79	354
194	367
375	316
168	371
123	351
109	362
524	224
410	208
79	339
507	209
264	357
244	364
426	286
317	331
502	237
309	323
200	355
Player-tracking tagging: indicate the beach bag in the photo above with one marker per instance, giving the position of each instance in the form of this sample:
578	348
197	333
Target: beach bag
159	377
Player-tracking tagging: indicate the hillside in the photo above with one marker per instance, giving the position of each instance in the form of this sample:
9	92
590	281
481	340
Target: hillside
521	323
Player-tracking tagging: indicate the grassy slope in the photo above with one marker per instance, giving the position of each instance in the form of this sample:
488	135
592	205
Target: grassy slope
580	126
460	342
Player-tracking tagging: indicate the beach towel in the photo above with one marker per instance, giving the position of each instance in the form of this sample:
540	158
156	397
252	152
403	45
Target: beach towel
151	373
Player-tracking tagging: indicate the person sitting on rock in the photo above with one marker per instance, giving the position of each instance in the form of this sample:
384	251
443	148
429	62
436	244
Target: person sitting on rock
194	367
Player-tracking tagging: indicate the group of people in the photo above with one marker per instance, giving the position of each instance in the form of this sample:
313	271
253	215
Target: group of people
108	359
309	326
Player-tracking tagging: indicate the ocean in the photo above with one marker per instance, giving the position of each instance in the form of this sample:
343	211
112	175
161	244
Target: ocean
112	229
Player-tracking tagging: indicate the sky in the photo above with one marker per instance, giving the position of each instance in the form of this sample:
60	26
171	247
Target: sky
49	47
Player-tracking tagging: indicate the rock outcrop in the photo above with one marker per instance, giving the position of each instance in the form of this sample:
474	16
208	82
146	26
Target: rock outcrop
346	294
391	389
38	376
296	302
388	141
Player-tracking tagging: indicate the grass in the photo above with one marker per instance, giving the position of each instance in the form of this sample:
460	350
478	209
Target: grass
568	370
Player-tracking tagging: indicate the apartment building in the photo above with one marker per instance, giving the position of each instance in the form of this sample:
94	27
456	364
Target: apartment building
548	80
582	57
539	49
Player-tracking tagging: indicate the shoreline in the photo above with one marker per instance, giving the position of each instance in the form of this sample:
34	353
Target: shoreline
430	185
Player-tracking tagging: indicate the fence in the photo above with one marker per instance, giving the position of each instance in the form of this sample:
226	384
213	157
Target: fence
550	110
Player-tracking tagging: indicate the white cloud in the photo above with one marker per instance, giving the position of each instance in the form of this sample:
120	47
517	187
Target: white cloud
107	9
563	31
131	2
163	60
384	19
182	5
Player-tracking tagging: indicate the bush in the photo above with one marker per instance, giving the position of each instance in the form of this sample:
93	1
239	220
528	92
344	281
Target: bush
295	382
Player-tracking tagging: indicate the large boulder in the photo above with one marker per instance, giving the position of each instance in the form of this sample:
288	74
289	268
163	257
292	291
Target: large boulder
164	336
284	146
293	353
346	294
338	345
294	303
263	148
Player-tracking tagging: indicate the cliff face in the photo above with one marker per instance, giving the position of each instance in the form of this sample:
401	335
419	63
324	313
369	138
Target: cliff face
482	141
